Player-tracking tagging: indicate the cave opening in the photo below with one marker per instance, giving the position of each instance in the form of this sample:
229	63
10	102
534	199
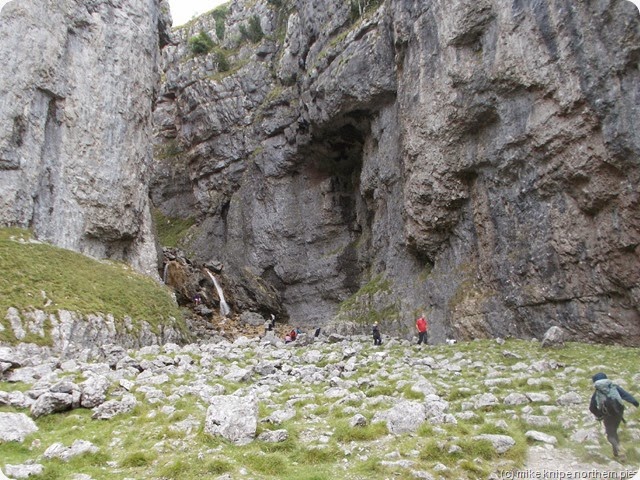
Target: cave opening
334	158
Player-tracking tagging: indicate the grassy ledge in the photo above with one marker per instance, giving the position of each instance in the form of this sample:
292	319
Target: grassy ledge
38	276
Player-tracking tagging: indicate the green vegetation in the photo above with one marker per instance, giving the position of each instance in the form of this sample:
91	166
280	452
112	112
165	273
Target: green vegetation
38	276
201	44
220	14
359	8
222	60
171	230
371	303
253	32
168	150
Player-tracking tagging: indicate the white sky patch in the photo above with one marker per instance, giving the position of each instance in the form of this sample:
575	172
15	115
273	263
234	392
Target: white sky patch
637	4
184	10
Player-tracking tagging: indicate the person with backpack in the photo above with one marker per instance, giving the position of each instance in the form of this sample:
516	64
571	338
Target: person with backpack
606	405
377	338
422	326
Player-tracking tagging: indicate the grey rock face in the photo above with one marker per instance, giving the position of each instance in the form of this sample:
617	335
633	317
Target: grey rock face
492	184
75	130
84	336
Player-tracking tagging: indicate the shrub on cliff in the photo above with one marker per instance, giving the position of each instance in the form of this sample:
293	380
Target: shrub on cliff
201	44
253	32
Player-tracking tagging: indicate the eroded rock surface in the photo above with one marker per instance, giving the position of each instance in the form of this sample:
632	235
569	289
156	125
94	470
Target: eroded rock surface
77	88
475	160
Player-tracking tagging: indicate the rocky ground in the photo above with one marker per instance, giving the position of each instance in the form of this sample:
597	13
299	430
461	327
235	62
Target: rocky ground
327	408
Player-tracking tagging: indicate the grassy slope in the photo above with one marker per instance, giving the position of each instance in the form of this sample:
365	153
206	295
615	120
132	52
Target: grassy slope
40	276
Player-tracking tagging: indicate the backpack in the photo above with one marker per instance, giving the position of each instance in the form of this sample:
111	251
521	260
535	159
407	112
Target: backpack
608	398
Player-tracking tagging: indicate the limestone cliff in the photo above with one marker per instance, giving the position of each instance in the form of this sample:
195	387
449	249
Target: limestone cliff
77	86
474	160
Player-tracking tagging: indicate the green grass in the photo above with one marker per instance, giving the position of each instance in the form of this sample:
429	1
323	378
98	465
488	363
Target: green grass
345	433
170	230
43	277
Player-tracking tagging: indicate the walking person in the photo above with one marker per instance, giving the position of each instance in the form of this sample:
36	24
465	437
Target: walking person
422	326
606	404
377	338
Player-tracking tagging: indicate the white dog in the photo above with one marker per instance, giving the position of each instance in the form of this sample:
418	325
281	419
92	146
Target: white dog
451	341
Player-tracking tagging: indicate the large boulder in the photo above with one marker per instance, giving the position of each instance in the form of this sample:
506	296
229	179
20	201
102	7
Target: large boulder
233	418
14	427
404	417
554	337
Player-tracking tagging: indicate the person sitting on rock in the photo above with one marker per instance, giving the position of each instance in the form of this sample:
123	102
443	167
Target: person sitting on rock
293	334
606	404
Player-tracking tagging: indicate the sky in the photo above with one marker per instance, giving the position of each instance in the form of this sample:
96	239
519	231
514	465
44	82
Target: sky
183	10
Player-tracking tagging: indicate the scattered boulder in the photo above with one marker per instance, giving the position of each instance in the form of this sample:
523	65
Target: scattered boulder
23	471
14	427
233	418
541	437
404	417
358	420
501	443
273	436
280	416
515	398
111	408
484	400
570	398
554	337
52	402
78	447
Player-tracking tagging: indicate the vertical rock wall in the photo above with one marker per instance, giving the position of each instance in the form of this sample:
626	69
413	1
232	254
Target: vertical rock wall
76	94
473	160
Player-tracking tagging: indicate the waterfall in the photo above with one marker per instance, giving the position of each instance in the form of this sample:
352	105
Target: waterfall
164	274
224	308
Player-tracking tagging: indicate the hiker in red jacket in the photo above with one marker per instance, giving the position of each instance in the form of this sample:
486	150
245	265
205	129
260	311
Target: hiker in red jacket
422	326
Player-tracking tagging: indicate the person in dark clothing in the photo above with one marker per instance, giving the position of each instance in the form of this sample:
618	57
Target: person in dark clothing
606	405
377	338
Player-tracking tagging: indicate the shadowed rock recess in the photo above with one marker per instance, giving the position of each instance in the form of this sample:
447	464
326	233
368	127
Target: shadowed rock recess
343	162
475	160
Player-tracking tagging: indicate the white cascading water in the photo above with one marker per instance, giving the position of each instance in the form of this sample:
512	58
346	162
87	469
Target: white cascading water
224	307
164	273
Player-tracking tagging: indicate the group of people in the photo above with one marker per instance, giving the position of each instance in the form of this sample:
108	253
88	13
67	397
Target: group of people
606	402
422	326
